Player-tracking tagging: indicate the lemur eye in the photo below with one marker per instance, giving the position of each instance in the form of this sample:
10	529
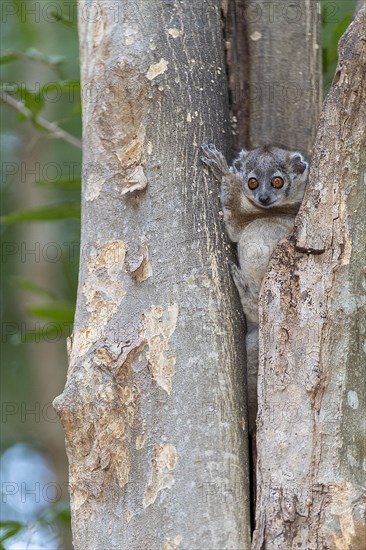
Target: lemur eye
277	182
252	183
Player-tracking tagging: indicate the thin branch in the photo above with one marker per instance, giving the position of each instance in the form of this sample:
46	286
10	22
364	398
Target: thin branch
50	127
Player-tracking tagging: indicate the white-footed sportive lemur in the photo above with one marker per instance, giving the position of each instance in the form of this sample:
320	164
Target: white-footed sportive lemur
260	195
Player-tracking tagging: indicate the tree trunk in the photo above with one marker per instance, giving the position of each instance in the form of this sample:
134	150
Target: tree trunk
237	59
359	5
154	410
312	311
275	90
274	60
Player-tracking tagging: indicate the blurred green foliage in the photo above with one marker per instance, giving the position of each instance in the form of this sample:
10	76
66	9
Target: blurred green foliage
53	514
40	88
40	233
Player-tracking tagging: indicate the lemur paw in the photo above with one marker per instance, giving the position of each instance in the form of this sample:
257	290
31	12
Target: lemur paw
234	270
215	160
238	277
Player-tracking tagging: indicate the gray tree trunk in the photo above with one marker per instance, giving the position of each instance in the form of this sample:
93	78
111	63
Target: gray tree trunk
359	5
274	59
276	90
312	399
237	59
285	86
154	409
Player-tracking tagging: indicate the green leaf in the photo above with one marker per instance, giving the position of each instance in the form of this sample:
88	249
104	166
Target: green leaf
31	286
7	57
61	312
57	512
58	211
11	528
32	100
69	89
32	54
65	184
67	21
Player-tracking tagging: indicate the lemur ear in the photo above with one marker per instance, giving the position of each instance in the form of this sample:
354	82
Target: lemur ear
239	162
298	162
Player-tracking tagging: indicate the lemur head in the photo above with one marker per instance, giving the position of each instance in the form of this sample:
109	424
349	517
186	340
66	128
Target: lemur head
272	176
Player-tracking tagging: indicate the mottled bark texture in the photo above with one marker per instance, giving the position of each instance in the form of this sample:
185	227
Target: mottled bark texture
275	91
274	67
237	58
154	409
359	5
312	394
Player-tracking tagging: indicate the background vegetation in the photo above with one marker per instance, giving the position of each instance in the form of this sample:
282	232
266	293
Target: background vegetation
40	252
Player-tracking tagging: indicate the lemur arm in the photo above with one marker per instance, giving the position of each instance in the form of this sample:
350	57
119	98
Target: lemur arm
237	209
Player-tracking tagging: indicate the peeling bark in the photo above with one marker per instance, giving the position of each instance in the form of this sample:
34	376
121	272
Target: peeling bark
154	409
312	395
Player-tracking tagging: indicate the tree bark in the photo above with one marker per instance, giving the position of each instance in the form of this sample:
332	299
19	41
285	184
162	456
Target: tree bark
237	59
275	92
154	409
359	5
274	60
312	400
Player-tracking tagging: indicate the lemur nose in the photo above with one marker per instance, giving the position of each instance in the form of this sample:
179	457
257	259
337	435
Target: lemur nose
264	199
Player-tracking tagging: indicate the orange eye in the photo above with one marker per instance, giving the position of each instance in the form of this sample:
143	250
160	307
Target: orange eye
252	183
277	183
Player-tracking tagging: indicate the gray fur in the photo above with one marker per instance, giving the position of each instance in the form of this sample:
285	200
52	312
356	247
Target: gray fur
254	226
264	164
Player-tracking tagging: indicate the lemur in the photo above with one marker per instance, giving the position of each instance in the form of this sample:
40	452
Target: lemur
260	195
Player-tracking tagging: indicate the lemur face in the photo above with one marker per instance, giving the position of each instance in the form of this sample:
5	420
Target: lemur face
272	176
